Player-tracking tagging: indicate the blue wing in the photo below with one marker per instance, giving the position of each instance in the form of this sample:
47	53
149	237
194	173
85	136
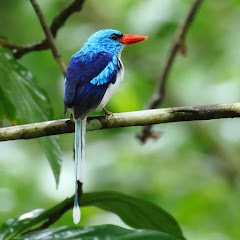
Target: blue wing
87	79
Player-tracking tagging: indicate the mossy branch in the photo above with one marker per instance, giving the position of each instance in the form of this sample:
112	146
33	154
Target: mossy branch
126	119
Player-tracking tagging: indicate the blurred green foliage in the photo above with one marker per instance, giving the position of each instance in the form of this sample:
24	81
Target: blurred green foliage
23	102
192	171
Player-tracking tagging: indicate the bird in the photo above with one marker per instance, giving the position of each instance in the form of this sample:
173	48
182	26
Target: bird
92	77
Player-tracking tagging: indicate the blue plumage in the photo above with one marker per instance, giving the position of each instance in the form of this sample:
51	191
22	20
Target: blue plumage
87	80
92	77
90	71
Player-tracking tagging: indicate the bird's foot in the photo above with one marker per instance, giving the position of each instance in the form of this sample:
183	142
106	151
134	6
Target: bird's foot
71	117
107	113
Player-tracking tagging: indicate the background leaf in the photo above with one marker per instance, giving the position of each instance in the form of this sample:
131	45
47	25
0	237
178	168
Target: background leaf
101	232
14	226
23	101
135	212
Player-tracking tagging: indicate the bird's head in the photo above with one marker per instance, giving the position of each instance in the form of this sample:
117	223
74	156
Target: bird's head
110	40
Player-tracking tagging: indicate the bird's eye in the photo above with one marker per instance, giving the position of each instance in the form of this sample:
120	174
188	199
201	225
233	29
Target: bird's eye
115	37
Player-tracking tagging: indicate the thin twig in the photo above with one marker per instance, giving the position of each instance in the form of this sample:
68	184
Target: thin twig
127	119
178	46
60	19
10	45
57	23
49	36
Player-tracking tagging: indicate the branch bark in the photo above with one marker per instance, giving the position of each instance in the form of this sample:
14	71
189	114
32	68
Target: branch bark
178	46
127	119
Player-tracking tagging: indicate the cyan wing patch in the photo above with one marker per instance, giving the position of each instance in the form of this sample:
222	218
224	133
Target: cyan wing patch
107	73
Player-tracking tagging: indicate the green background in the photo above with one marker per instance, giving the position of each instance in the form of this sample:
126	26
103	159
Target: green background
192	171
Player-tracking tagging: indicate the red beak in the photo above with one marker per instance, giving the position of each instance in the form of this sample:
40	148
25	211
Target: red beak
129	39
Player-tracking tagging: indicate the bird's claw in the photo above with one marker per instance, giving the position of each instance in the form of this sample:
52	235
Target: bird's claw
71	118
107	113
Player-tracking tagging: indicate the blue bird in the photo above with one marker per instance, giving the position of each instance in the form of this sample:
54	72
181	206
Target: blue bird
93	75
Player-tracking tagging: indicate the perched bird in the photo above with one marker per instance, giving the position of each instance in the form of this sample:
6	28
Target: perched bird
92	77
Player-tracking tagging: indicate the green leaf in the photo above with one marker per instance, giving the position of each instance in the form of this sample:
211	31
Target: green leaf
21	100
135	212
101	232
7	109
16	225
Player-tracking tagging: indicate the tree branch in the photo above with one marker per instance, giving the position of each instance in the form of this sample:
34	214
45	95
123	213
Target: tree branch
60	19
10	45
178	46
49	36
127	119
57	23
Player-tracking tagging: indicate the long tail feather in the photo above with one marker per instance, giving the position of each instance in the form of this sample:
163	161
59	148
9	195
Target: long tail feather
80	165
